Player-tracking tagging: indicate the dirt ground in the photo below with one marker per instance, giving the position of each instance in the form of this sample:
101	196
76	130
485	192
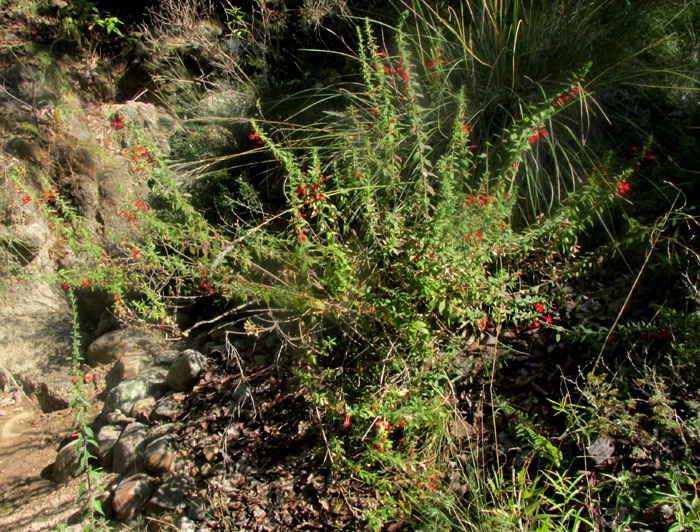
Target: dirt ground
29	500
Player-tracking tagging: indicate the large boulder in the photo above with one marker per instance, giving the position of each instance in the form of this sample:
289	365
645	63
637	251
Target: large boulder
113	346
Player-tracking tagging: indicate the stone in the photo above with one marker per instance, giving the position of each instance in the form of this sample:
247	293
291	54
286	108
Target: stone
167	357
159	456
129	449
131	495
106	440
185	371
67	464
151	383
162	430
118	418
167	409
142	409
171	495
127	367
210	452
115	345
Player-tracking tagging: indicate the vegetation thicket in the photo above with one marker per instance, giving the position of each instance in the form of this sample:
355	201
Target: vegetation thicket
479	251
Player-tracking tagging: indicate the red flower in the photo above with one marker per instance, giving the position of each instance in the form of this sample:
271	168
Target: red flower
622	187
346	423
539	307
26	199
374	111
663	334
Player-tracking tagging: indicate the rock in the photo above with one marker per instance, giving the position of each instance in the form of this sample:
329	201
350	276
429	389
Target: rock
36	332
125	368
67	464
151	383
163	430
171	494
131	495
210	452
167	409
71	117
115	345
142	409
106	440
129	449
25	149
118	418
167	357
159	456
185	371
152	121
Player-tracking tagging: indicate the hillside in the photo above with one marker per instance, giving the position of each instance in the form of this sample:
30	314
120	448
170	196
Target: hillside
337	265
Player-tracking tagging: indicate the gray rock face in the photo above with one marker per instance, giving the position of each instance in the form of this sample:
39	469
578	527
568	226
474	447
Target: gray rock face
67	464
151	383
129	449
36	330
131	495
106	440
185	371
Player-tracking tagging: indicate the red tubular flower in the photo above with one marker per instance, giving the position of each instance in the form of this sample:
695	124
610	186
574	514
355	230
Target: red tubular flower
539	307
622	187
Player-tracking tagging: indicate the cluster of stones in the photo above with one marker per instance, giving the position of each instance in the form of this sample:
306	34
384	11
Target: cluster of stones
145	393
